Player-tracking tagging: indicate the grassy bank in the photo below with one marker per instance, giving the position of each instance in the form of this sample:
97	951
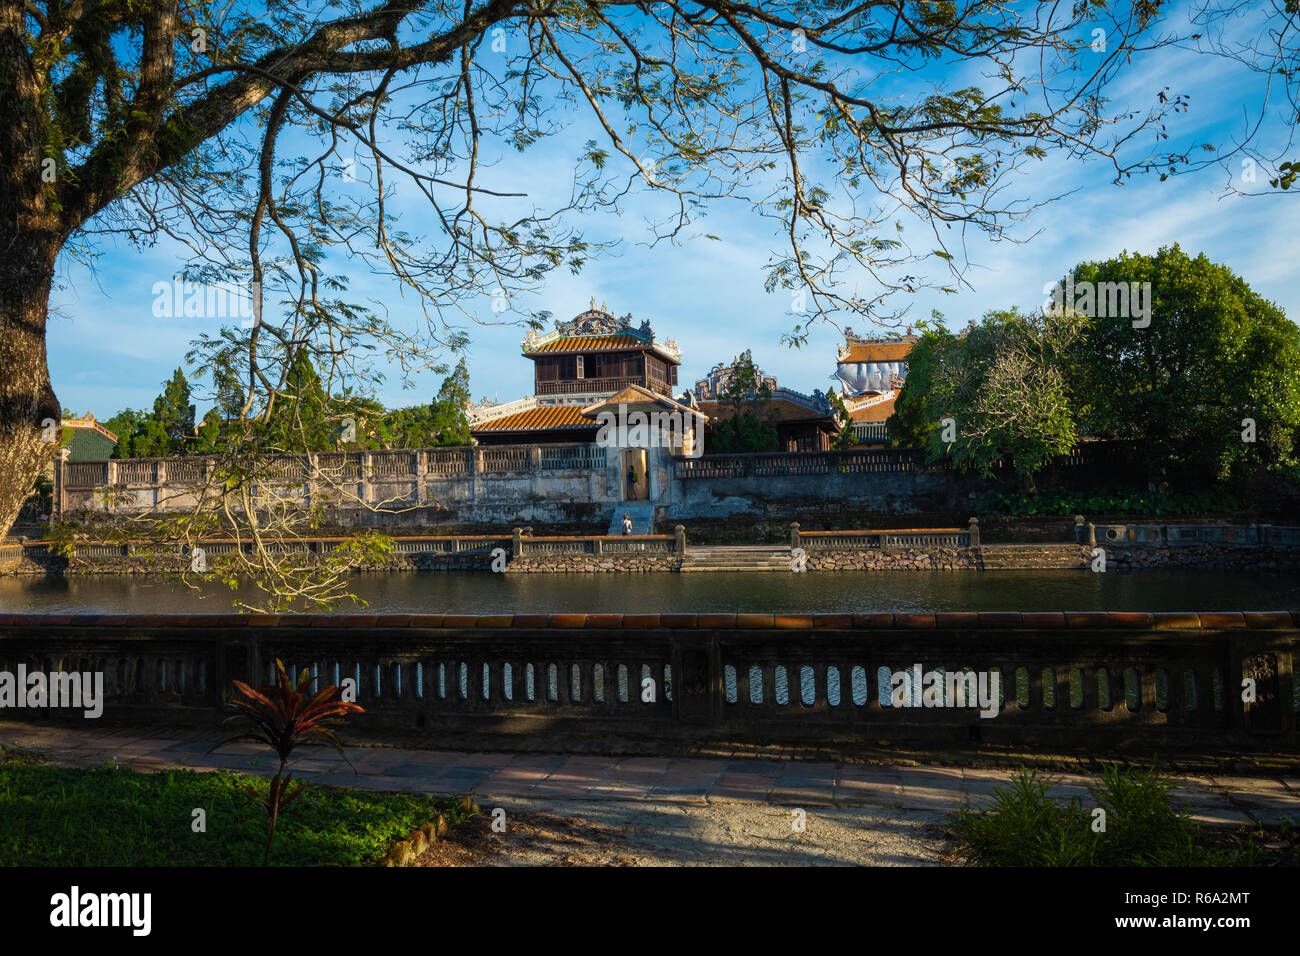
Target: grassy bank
101	816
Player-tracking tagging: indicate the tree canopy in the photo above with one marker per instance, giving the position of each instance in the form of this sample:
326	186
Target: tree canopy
1215	355
747	422
267	140
1210	388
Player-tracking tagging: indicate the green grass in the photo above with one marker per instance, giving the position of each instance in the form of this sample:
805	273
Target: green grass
101	816
1026	827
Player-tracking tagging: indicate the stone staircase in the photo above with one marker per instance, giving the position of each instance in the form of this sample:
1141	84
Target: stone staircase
1032	556
642	514
741	558
31	530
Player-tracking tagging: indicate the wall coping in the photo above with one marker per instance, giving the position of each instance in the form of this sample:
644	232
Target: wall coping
983	620
505	536
809	534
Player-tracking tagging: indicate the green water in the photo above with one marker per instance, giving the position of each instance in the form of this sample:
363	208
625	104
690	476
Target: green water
486	593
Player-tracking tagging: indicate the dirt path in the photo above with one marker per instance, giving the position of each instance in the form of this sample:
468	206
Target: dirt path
626	833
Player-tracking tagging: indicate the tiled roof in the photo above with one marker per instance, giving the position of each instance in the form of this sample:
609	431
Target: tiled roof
541	418
639	395
590	343
876	352
88	423
877	412
790	411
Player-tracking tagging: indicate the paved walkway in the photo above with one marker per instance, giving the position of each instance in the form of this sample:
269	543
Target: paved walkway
530	778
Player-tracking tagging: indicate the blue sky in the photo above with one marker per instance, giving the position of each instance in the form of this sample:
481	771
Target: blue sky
107	350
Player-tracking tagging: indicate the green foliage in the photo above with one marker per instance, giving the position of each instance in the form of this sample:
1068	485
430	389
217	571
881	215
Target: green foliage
1146	504
61	537
125	424
299	418
441	423
911	425
303	417
1004	384
845	437
1025	826
1214	354
1022	388
450	425
749	422
104	816
167	430
208	435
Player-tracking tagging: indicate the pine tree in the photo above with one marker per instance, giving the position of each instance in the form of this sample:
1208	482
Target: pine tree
450	424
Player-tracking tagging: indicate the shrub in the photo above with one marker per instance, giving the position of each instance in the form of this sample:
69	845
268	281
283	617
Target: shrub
1026	827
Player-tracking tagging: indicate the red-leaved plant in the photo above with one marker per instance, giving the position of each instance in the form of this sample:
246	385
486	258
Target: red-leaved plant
286	716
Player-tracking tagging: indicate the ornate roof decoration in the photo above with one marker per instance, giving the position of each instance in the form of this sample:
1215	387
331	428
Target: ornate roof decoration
599	321
711	387
858	348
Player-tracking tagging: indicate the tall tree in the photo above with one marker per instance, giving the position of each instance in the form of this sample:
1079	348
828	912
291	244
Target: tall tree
125	424
301	417
998	393
247	131
450	424
1215	355
749	422
174	413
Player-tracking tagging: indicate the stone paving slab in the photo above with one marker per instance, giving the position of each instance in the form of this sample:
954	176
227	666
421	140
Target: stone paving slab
1225	799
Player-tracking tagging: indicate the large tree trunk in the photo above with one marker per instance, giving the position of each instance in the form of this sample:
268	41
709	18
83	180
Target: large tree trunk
30	236
27	400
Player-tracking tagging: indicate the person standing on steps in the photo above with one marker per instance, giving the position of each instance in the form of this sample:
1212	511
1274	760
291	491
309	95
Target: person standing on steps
627	525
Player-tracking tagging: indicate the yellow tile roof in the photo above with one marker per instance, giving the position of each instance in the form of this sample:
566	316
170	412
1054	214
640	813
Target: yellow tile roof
875	413
876	352
590	343
541	418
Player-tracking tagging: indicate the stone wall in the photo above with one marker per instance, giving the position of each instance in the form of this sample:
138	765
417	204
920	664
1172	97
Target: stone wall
1204	556
937	559
594	563
889	492
1029	557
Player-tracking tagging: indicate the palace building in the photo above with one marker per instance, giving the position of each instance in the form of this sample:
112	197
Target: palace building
590	371
872	372
581	366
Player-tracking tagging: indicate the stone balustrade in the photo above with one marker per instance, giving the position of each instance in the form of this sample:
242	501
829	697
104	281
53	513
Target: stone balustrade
1087	678
886	540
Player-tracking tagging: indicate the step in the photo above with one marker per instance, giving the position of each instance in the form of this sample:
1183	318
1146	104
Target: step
642	514
688	570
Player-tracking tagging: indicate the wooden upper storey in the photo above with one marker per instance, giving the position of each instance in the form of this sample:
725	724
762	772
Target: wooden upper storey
596	352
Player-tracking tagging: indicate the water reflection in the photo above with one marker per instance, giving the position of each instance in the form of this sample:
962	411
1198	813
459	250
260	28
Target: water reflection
478	593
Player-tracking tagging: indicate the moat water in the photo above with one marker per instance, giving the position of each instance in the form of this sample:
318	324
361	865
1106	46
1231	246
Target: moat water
486	593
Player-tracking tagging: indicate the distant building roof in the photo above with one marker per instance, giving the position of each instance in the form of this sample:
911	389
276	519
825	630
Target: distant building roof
794	406
639	395
871	408
88	423
877	350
